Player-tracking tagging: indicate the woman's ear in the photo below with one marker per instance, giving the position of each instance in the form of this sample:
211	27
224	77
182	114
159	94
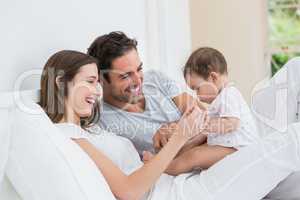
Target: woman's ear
58	81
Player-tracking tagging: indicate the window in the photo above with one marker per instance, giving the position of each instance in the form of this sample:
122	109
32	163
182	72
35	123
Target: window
284	31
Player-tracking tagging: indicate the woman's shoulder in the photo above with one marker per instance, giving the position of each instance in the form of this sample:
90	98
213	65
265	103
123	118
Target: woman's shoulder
100	135
76	132
72	131
96	135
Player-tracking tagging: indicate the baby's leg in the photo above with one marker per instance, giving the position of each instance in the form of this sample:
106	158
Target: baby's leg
202	157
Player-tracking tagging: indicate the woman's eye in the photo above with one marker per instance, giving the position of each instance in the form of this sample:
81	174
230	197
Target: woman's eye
90	81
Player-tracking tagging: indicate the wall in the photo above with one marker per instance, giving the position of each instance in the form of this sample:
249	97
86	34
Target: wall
239	29
169	42
33	30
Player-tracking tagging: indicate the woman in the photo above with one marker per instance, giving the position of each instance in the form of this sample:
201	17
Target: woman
69	95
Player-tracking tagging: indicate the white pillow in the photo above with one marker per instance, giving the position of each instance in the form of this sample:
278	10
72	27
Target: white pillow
43	164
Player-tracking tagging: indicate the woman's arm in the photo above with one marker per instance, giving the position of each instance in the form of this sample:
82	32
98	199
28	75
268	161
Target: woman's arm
183	102
139	182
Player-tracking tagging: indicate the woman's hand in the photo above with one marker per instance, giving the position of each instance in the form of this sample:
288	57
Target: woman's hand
163	135
192	123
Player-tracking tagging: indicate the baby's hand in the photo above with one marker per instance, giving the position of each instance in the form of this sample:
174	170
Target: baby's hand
147	156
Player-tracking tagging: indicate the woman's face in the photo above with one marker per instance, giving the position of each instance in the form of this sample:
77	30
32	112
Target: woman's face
84	91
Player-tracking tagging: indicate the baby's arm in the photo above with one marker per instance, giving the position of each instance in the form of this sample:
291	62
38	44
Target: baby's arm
222	125
228	106
201	157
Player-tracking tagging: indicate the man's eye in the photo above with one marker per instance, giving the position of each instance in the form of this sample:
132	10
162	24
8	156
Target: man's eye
124	77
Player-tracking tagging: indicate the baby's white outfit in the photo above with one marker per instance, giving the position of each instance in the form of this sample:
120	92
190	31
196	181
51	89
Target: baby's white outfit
230	103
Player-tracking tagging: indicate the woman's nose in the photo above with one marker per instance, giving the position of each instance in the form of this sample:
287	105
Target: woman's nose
98	90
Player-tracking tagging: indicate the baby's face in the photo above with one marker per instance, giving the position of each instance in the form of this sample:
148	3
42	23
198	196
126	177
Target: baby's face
206	90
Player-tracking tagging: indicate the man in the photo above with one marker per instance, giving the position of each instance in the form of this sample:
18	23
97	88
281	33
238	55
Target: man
141	107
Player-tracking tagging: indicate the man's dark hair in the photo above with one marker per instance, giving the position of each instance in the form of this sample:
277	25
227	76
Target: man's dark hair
205	60
108	47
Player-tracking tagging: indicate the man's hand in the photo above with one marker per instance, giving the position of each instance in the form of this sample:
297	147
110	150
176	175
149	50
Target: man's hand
163	134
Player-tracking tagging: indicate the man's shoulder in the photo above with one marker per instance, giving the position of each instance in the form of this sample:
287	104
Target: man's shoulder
152	72
152	75
158	79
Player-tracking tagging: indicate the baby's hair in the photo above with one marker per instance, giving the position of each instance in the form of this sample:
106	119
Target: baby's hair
205	60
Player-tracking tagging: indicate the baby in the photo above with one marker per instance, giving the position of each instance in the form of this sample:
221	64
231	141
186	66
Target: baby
230	125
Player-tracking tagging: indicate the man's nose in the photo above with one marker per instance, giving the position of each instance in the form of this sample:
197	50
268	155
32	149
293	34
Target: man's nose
137	79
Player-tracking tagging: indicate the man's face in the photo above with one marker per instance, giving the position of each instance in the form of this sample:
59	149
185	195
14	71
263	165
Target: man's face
125	78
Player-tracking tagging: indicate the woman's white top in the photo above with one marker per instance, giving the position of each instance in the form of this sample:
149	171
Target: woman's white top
122	153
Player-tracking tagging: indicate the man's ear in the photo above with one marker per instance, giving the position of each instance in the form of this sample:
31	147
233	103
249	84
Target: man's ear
103	80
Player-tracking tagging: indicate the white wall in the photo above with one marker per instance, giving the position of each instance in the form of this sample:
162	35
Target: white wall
170	38
239	29
32	30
